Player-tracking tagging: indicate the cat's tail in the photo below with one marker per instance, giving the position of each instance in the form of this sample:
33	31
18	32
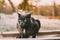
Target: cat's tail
39	23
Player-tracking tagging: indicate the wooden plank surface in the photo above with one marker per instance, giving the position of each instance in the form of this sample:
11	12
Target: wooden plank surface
13	34
51	38
41	32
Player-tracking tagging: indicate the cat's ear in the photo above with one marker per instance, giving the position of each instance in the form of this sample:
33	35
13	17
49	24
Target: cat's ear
29	15
19	14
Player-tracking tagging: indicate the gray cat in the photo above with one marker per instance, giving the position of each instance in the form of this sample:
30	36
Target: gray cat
29	24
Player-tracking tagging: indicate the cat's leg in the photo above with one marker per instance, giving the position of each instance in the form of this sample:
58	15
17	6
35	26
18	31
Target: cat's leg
18	36
25	35
34	36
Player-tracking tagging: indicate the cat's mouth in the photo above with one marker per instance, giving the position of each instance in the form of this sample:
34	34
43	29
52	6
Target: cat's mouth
21	24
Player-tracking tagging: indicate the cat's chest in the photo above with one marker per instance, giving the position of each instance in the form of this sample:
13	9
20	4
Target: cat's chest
30	26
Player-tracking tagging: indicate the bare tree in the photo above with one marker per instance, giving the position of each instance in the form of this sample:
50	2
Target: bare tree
55	9
24	5
1	6
13	8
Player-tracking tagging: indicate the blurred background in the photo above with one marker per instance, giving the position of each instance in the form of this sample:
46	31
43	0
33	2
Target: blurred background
47	11
38	7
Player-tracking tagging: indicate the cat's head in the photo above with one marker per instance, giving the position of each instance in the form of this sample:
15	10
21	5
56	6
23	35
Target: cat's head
23	18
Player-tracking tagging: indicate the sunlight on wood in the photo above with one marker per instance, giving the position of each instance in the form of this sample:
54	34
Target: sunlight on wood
15	2
57	1
36	2
43	2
